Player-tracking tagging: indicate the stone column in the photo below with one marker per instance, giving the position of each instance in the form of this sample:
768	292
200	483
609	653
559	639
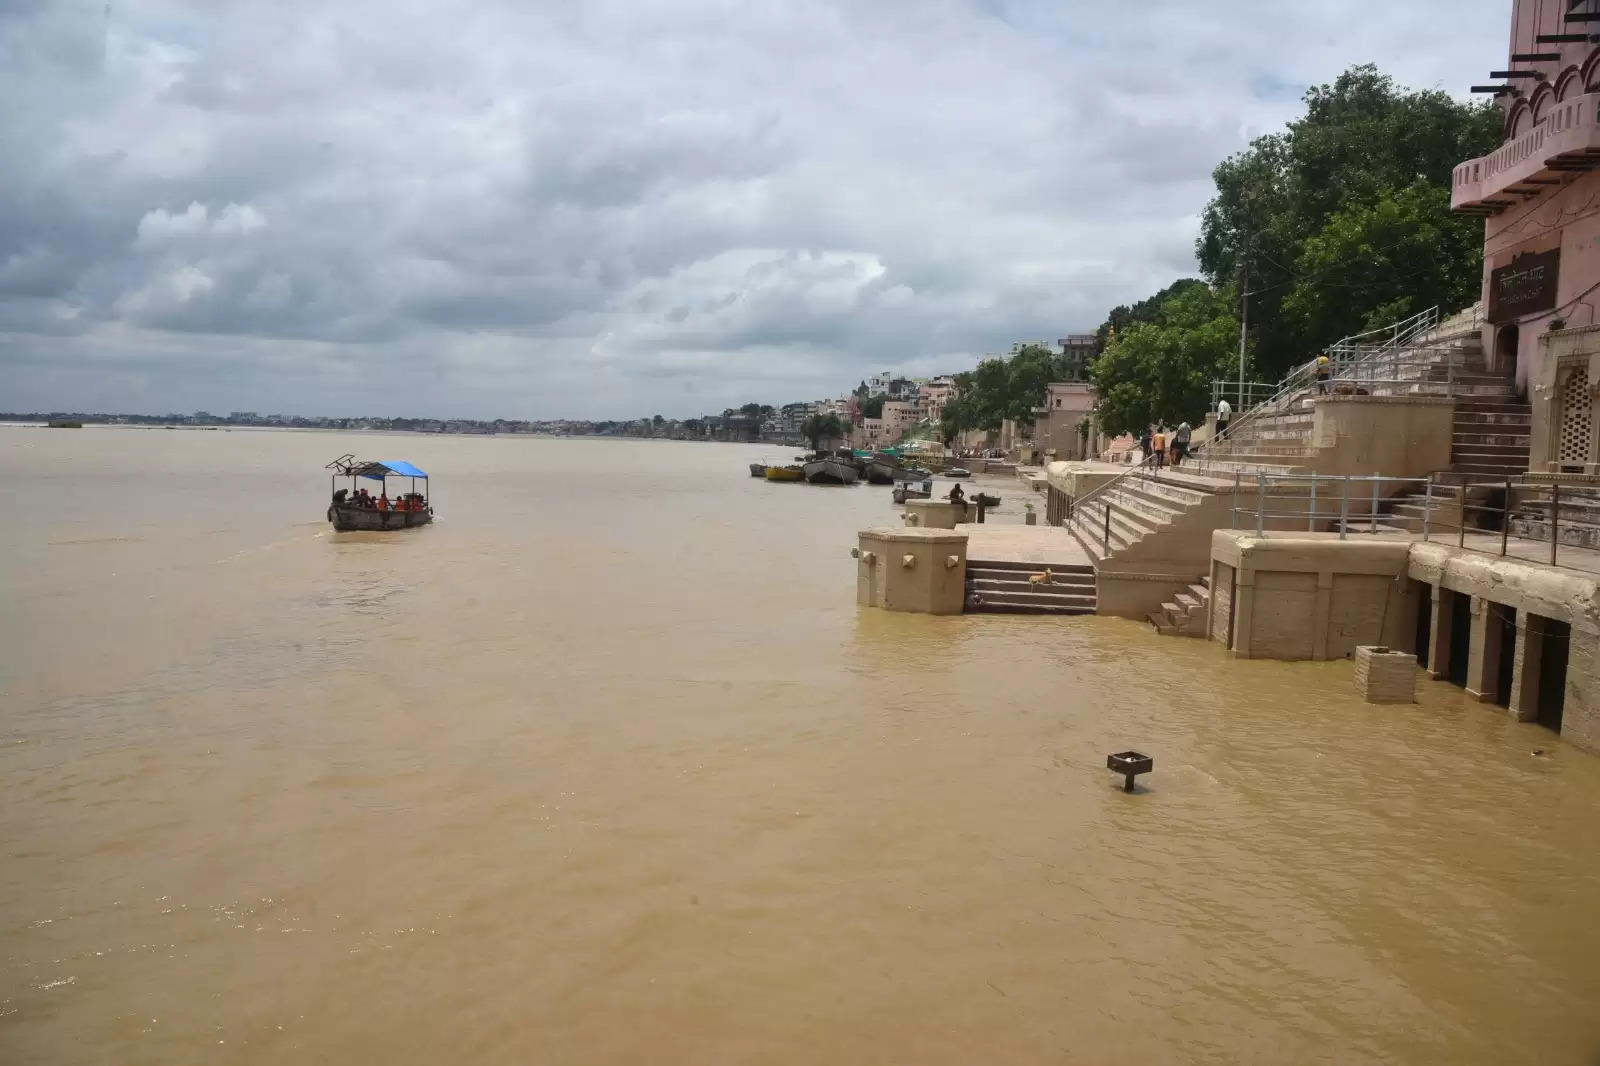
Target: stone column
1525	667
1244	602
1439	634
1320	616
1483	655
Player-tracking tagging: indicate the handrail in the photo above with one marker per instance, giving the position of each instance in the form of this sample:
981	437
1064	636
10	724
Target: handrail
1508	500
1344	355
1075	508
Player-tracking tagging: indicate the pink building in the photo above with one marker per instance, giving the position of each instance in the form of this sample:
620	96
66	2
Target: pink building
1539	195
1063	424
899	416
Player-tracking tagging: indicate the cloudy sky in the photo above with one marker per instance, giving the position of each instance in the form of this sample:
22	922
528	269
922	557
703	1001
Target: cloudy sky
608	208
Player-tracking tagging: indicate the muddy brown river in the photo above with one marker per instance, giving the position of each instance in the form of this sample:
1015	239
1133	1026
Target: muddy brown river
605	766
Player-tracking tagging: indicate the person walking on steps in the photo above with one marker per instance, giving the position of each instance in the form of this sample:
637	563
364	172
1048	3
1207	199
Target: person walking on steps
1224	414
1144	442
1324	374
1158	444
1180	444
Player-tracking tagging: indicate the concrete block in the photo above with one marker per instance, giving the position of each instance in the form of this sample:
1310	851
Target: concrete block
1384	676
934	514
923	571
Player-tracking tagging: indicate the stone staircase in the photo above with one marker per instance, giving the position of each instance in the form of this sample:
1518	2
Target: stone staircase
1185	614
1579	524
1492	436
997	587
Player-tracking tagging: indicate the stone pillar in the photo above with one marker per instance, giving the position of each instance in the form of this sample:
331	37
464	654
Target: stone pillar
1320	617
1483	655
1525	667
1244	602
1439	634
918	570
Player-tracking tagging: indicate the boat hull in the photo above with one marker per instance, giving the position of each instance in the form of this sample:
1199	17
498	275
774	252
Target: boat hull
785	473
758	470
358	519
832	472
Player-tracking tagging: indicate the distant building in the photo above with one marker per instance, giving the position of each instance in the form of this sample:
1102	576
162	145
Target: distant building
1079	349
899	417
878	384
1060	424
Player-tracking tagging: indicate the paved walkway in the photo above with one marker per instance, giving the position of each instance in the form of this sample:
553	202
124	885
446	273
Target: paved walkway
1583	560
1045	545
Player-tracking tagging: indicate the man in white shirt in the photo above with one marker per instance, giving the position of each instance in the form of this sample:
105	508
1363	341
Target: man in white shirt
1224	413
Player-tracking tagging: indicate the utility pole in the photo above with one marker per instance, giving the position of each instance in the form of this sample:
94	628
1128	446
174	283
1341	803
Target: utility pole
1244	316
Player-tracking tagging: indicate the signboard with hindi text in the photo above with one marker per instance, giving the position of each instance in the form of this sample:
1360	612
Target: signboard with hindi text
1525	286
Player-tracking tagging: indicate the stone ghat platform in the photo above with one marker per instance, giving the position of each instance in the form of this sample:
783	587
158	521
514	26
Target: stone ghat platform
1005	561
1040	545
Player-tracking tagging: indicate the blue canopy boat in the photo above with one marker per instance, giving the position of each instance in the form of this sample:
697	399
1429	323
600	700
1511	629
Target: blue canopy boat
358	509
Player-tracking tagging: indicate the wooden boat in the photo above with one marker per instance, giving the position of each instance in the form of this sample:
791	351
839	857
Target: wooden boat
958	471
904	492
352	511
987	500
758	469
786	473
832	471
880	472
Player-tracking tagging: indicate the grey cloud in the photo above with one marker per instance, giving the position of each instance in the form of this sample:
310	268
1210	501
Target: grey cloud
620	206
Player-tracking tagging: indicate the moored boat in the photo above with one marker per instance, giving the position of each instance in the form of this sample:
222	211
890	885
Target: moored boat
758	469
958	471
987	500
904	492
354	509
880	472
786	473
832	471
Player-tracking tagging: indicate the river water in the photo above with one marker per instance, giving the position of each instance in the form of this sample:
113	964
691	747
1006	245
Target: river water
605	766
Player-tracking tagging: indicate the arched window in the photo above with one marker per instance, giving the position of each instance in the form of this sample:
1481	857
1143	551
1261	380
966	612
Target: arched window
1519	121
1569	85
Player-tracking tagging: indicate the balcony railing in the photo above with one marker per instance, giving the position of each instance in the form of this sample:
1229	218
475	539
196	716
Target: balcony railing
1565	140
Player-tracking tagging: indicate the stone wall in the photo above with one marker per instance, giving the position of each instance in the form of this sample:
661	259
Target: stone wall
1400	436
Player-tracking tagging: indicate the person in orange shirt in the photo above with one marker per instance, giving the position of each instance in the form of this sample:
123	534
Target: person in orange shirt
383	502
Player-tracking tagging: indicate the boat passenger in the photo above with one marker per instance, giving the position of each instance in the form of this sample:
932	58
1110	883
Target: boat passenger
383	502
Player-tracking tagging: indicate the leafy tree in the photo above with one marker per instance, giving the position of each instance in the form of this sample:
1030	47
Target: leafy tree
819	427
1161	371
1360	163
872	406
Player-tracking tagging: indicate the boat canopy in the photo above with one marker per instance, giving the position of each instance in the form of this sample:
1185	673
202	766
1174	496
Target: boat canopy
380	470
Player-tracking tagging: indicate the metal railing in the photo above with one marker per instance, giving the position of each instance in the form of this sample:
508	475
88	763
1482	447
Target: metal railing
1079	508
1490	513
1242	399
1344	355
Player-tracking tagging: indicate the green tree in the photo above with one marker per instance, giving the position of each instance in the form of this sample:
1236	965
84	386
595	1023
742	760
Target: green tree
1295	201
1162	371
872	406
819	427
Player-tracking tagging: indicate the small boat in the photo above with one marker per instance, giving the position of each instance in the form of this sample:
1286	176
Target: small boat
758	469
904	492
786	473
832	471
880	473
985	499
354	509
958	471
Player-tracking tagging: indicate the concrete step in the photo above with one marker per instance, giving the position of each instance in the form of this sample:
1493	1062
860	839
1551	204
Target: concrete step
1188	601
1475	440
1024	588
1162	623
1026	567
1014	606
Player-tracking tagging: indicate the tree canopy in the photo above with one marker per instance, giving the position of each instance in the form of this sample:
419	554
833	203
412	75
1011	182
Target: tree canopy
1001	389
1160	369
1343	218
819	427
1339	223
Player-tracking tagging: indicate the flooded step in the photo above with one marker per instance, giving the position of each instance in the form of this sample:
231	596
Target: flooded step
1016	606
